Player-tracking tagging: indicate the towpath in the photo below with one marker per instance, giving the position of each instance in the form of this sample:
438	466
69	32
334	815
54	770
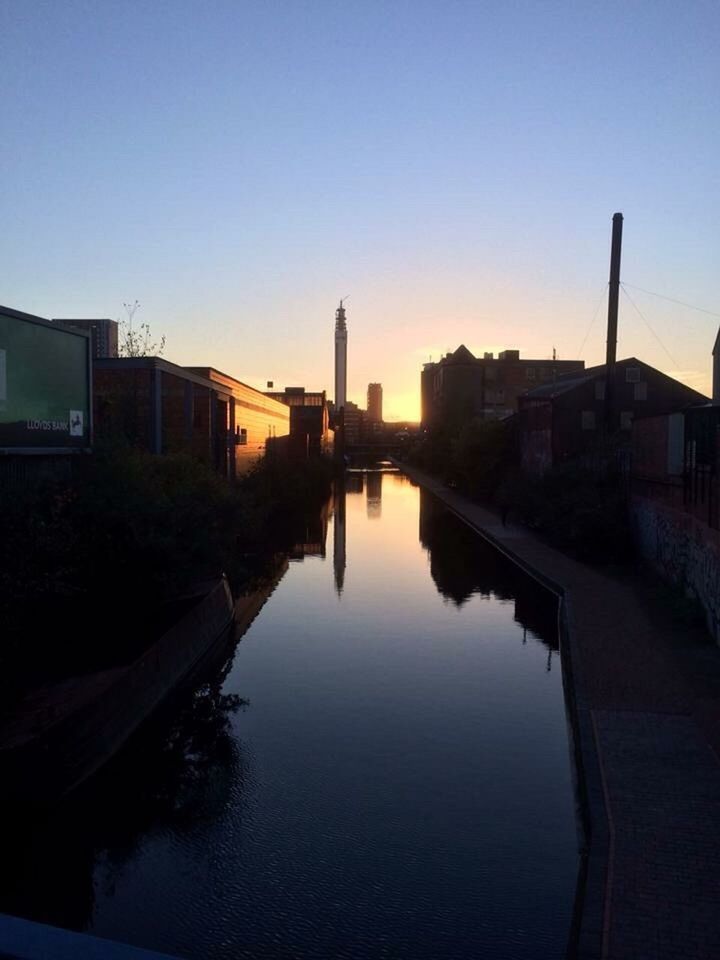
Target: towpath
644	698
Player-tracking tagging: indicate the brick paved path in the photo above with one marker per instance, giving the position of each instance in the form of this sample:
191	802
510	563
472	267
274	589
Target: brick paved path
644	696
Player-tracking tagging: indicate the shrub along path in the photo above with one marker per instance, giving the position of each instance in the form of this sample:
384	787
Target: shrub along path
643	694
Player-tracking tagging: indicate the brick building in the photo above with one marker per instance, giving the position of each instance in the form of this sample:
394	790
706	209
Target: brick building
565	420
164	408
103	333
460	386
310	433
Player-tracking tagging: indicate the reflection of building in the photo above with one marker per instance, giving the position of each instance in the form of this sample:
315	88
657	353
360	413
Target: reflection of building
355	481
463	564
161	407
339	534
374	494
461	386
374	403
309	420
310	534
103	334
340	358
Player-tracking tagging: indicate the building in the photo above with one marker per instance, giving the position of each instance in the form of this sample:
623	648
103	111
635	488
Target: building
374	402
310	433
340	358
353	423
164	408
103	333
45	386
460	386
564	420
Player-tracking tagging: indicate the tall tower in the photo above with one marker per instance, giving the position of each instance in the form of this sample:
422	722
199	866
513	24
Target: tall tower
340	357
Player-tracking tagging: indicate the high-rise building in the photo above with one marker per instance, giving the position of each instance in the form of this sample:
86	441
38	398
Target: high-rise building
374	403
340	358
103	333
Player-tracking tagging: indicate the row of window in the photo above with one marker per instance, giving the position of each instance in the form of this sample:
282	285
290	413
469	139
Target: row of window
589	420
639	389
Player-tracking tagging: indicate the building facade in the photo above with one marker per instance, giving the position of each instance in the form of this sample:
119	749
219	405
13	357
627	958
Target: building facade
565	420
45	386
310	434
461	386
158	406
103	333
374	402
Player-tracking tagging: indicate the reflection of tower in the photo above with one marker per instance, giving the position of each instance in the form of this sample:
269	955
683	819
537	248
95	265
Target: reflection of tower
374	494
340	358
339	546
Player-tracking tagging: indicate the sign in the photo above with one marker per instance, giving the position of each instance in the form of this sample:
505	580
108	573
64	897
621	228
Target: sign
44	385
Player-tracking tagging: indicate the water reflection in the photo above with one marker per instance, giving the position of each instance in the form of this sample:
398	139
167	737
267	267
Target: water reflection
310	534
374	495
339	536
180	769
462	564
397	787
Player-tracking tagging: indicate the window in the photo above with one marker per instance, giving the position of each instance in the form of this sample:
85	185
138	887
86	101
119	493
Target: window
530	373
641	390
626	419
599	389
632	374
588	419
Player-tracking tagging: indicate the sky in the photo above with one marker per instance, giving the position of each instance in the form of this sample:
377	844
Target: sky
450	167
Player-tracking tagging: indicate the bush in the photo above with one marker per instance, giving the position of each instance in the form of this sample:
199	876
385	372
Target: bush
103	552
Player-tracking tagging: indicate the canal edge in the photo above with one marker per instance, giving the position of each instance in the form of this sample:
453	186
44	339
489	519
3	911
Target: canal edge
586	939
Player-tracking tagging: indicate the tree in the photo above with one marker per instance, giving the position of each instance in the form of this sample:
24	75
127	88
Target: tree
138	342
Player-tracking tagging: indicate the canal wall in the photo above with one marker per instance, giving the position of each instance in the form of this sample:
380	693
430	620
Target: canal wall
643	703
684	550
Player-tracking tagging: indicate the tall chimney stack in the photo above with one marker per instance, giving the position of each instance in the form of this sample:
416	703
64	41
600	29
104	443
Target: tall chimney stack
613	298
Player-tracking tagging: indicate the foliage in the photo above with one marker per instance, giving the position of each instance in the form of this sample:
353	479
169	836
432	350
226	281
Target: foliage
473	458
129	532
139	342
580	509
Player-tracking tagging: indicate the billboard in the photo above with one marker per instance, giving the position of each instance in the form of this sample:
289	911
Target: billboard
44	385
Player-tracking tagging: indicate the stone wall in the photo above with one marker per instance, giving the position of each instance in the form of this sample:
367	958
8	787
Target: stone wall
684	550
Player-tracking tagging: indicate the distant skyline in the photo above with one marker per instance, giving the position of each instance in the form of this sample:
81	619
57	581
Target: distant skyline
453	167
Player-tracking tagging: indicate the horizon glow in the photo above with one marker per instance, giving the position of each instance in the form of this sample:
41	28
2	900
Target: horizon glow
454	168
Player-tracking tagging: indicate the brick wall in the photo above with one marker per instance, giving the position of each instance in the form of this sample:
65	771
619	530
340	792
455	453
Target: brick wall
684	550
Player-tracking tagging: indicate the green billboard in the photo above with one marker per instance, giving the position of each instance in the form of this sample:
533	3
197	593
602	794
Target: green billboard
44	385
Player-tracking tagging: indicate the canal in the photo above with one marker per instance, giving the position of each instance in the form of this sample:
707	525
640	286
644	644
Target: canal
380	768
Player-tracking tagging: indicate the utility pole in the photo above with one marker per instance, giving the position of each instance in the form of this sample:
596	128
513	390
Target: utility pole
613	298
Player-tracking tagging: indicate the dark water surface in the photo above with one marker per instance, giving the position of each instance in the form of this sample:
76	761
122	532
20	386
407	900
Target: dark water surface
381	770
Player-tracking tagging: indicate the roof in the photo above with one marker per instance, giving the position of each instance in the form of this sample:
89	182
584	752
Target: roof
461	355
42	322
570	381
716	348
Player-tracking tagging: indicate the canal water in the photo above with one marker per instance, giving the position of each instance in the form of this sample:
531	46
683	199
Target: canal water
379	769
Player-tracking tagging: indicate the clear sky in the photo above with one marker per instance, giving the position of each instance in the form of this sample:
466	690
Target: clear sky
452	166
